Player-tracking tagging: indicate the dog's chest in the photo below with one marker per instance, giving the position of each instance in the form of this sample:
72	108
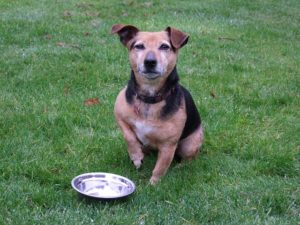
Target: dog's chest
144	122
142	130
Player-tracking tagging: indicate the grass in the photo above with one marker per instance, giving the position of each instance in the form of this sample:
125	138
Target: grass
241	65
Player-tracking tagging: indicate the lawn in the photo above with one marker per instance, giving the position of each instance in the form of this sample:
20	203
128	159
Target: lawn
61	70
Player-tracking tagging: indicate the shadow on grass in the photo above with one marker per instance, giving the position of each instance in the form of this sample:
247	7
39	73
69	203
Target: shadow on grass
96	201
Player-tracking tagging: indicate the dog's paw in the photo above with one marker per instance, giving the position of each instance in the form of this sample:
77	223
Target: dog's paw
137	163
154	180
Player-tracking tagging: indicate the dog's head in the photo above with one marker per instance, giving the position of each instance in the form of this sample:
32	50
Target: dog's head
152	54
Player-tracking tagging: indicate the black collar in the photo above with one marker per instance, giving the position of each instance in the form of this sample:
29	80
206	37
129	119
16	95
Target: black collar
154	99
168	89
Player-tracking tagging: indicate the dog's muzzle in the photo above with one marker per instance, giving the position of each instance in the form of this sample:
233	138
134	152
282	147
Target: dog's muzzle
150	67
150	61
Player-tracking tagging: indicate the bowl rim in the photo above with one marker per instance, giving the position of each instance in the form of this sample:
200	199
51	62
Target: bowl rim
103	173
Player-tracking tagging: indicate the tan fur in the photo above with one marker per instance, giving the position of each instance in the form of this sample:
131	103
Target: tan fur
166	59
141	122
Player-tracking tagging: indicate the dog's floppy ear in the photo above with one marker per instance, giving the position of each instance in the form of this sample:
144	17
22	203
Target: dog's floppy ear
125	32
177	37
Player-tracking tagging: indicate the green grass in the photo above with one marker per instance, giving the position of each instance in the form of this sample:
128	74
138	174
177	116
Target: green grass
241	66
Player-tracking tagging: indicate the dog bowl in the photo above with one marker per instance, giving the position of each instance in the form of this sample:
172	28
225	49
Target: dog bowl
104	186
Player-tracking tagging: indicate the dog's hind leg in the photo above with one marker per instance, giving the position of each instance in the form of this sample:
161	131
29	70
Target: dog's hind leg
190	146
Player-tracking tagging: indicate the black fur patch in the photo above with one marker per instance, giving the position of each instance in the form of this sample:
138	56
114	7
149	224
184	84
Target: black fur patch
173	101
193	118
131	89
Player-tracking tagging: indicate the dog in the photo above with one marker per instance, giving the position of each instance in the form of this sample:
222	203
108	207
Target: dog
154	110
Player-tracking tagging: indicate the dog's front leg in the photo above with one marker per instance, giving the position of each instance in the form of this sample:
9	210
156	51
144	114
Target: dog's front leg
134	147
165	157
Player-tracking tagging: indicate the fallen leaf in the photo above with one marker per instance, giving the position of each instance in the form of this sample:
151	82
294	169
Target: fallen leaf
92	14
102	42
48	36
61	44
96	22
91	101
66	90
84	5
148	4
64	45
75	46
67	13
46	109
212	94
114	165
130	3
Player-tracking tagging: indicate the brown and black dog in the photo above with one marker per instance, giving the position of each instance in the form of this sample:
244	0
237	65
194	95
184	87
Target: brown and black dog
154	110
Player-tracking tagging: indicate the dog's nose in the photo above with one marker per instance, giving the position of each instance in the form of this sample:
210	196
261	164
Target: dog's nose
150	61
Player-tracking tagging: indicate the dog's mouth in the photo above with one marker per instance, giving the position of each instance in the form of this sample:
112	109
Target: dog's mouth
151	75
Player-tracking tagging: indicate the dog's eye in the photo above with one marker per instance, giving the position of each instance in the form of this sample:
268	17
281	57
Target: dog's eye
164	47
139	47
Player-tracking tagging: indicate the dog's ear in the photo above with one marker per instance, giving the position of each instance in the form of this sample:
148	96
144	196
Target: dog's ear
177	37
125	32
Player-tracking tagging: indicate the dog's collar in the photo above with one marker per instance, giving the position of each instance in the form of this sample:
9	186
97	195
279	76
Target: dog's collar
169	88
154	99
